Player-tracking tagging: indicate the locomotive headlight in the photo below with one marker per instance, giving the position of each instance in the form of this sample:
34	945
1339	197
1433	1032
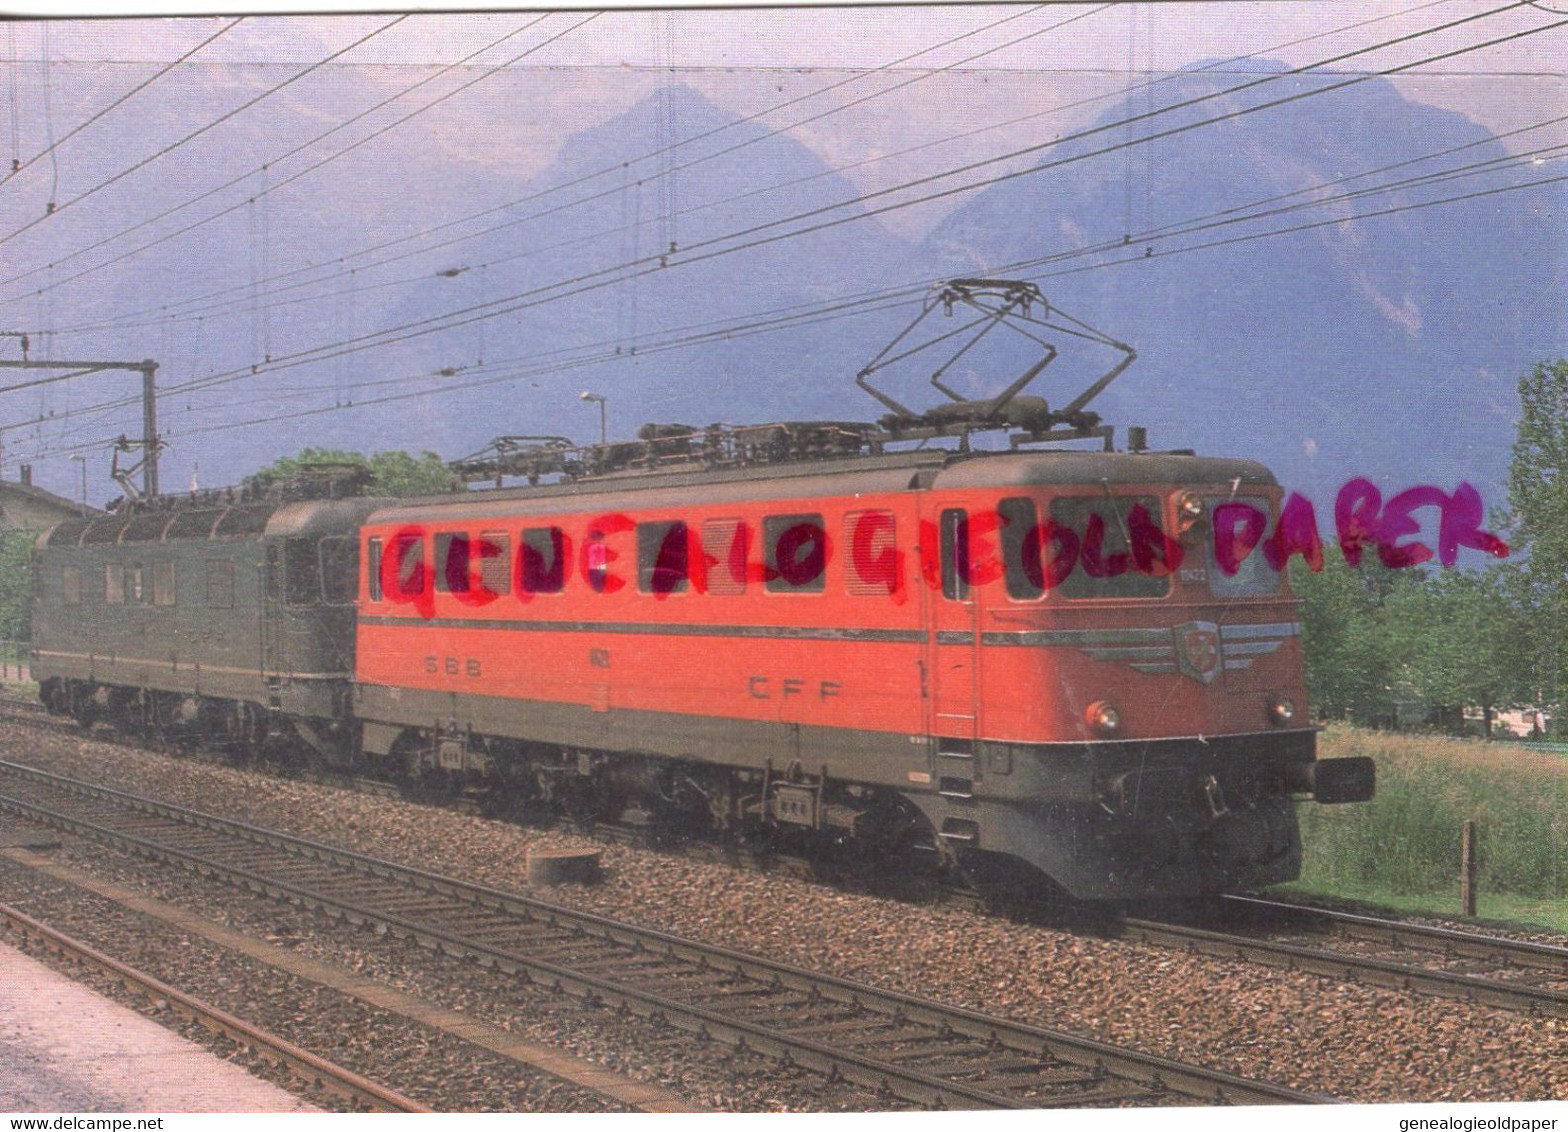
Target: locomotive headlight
1103	719
1282	710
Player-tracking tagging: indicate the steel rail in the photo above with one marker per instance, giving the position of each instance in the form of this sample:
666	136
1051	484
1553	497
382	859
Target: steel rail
360	1092
1448	941
1349	966
1150	1074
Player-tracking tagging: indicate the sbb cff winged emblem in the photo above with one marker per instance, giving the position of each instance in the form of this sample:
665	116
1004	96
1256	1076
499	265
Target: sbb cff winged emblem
1198	650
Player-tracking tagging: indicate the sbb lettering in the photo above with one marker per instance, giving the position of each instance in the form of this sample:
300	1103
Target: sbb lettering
466	666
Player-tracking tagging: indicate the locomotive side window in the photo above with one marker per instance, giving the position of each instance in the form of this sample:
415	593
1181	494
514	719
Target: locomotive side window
163	583
114	583
662	563
301	572
954	528
408	561
541	565
71	585
795	550
220	583
452	553
872	562
339	570
727	542
495	561
374	577
1104	567
1021	549
135	590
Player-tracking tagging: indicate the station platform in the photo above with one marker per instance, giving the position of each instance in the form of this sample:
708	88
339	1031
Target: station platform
66	1048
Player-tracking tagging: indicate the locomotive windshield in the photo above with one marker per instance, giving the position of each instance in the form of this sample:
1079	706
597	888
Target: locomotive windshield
1103	521
1255	578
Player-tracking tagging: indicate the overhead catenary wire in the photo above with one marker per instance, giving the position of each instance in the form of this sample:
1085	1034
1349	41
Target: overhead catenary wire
687	256
320	410
318	354
1407	65
659	152
710	249
18	165
534	250
232	182
890	300
59	207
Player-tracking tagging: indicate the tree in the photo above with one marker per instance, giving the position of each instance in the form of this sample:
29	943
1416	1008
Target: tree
391	473
1456	635
1351	656
16	579
1538	498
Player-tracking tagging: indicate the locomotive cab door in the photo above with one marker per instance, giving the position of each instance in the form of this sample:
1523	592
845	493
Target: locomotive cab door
952	660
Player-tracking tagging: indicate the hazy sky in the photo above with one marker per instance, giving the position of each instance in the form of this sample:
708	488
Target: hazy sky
1500	86
882	95
1104	37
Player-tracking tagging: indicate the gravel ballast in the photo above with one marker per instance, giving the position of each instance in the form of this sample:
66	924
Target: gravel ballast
1358	1043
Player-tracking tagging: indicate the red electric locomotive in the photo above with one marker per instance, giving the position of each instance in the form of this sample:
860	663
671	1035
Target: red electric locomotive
1017	662
1023	664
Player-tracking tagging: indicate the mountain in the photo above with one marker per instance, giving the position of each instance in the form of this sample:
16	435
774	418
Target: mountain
705	193
1386	347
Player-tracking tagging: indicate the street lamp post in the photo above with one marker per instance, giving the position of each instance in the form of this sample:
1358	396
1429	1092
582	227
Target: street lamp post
599	399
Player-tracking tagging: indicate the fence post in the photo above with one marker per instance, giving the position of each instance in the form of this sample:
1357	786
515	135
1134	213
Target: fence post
1467	891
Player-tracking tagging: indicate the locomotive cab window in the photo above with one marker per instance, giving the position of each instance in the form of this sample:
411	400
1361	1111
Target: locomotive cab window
541	560
135	586
71	585
339	557
301	572
662	562
1255	577
114	583
1104	568
795	549
1022	567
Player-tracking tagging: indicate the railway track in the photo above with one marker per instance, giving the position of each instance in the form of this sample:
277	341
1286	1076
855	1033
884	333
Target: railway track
1443	962
361	1094
1446	962
904	1049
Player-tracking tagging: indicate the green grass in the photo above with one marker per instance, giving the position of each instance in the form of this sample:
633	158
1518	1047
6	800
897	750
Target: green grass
1401	850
